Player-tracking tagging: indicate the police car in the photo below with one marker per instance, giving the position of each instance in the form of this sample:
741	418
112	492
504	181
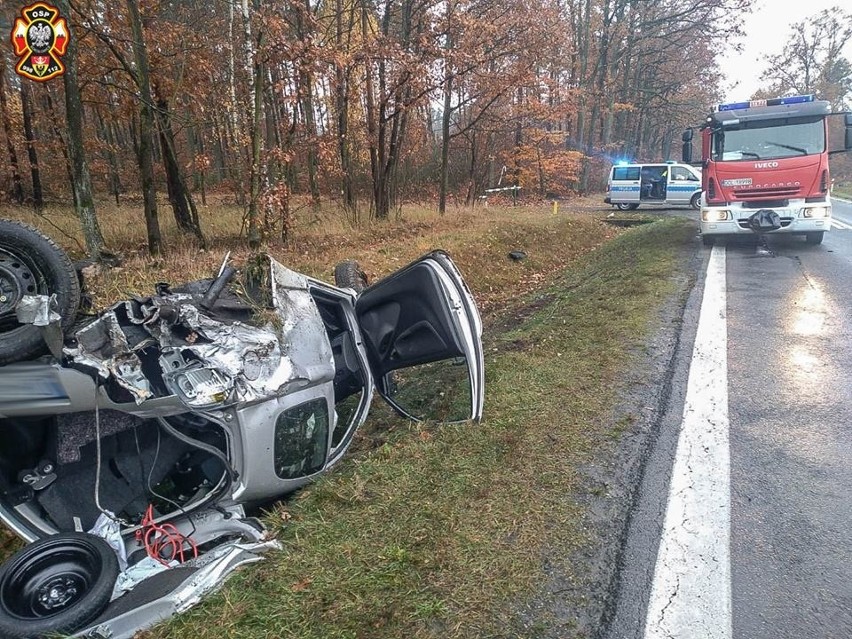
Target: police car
663	183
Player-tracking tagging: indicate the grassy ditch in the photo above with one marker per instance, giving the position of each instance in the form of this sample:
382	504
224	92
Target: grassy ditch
446	531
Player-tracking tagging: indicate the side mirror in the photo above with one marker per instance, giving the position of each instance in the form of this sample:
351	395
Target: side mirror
848	140
686	151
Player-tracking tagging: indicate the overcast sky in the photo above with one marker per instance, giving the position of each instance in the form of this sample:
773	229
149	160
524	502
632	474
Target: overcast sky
766	29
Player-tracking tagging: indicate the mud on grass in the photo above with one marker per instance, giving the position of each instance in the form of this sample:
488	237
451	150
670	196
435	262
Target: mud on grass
457	531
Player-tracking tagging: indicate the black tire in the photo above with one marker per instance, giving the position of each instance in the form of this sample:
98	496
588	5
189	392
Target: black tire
56	585
815	237
625	206
348	274
695	201
707	240
31	264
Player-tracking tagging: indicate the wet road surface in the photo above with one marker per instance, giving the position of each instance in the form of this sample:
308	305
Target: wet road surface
775	559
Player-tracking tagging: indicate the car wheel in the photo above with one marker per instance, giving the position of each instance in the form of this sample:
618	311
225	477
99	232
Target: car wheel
814	238
626	206
31	264
707	240
56	585
695	202
348	274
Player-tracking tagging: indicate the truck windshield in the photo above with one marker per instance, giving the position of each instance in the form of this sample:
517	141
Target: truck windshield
771	139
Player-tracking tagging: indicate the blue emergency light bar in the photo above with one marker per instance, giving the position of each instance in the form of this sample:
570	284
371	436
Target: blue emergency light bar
795	99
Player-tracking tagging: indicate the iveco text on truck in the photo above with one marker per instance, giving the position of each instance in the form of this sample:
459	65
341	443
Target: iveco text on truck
765	168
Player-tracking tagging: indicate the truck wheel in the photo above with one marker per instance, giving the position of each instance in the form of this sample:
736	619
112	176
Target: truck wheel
348	274
56	585
627	206
31	264
814	238
707	240
695	202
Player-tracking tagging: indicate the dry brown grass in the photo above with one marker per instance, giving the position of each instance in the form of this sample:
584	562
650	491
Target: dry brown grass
478	239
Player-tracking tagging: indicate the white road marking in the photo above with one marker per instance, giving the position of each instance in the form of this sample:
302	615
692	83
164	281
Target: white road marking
691	592
840	225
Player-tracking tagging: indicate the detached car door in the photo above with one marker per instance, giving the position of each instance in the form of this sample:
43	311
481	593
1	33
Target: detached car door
423	336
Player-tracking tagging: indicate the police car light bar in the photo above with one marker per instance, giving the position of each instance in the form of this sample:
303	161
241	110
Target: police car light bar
795	99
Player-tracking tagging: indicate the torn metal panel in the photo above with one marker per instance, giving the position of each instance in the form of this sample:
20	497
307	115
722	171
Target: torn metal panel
203	576
38	310
102	345
302	329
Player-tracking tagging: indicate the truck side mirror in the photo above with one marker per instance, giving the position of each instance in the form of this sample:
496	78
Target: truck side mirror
848	140
686	150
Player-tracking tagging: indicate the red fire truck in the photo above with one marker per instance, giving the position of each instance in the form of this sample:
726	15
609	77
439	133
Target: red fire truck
765	168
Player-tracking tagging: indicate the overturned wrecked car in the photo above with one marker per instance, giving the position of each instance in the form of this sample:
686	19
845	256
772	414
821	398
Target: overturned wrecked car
134	442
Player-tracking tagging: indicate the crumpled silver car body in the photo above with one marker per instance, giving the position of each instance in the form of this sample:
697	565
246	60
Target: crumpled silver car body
198	406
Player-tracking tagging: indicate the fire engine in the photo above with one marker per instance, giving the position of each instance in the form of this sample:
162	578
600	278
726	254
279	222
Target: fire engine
765	167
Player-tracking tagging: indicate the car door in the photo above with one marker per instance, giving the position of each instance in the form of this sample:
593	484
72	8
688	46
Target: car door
682	184
423	336
626	182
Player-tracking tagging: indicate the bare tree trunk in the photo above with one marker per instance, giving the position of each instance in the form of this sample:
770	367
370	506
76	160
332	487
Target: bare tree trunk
342	104
82	183
63	142
307	105
32	155
234	158
255	70
145	154
186	215
106	136
195	135
388	123
470	200
17	193
372	133
306	94
446	116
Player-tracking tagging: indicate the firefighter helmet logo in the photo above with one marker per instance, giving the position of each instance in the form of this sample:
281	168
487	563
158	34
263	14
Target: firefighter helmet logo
40	38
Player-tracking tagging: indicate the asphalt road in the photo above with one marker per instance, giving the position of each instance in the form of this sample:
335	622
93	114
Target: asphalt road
778	552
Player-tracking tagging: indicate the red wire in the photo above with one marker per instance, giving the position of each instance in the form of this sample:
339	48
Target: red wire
159	538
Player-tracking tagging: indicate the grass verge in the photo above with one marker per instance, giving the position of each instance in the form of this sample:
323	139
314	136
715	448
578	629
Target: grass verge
843	191
450	531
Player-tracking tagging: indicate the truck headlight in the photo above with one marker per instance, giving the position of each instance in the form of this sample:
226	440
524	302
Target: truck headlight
815	212
714	215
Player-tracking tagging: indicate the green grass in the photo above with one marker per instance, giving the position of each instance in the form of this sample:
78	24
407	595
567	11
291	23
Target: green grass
443	531
842	190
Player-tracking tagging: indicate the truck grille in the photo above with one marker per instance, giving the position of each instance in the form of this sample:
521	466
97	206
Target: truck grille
785	222
774	192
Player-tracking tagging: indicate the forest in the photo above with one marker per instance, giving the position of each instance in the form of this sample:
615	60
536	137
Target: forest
358	106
